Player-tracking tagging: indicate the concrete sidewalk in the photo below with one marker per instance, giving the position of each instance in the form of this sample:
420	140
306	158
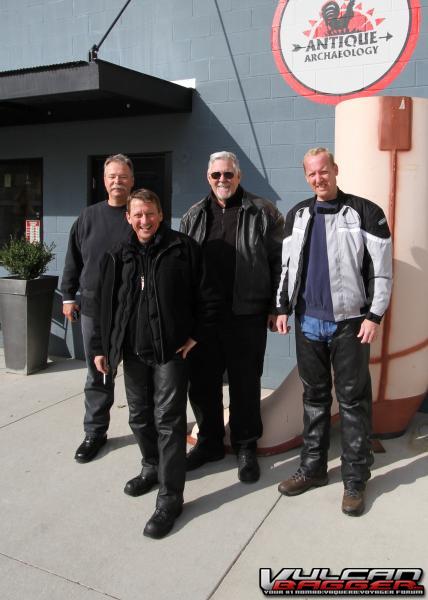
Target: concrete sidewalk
68	532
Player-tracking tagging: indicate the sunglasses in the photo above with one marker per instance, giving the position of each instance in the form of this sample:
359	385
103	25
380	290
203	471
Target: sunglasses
226	175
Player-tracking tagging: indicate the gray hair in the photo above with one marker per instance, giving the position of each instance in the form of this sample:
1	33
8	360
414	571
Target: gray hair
319	150
120	158
224	155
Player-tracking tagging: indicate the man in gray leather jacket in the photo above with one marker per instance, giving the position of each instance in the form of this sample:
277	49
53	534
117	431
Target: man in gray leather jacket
241	236
337	278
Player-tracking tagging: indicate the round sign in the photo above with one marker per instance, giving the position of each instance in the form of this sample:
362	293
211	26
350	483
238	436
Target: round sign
334	50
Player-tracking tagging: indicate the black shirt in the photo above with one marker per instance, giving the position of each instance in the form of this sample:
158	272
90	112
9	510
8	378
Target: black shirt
220	244
138	337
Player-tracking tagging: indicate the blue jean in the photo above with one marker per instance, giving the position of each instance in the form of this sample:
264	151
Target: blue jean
317	330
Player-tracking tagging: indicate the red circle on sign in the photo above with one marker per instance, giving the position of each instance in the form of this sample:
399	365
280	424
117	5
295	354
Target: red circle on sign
326	98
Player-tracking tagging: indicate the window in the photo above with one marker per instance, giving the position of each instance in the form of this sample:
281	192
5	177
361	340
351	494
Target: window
20	196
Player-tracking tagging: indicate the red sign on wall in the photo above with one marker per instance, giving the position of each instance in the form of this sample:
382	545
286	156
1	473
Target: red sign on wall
32	230
334	50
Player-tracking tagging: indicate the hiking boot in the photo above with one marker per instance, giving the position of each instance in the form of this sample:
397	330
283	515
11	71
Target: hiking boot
353	502
300	482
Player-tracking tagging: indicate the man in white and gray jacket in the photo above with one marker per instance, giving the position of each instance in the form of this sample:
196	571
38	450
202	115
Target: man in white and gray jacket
337	278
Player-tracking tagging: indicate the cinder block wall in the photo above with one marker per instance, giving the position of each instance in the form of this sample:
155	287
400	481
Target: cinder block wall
241	103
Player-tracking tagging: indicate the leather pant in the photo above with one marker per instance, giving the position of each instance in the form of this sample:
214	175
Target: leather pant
157	398
238	346
350	361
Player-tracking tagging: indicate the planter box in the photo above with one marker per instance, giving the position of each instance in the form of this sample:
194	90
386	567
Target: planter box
25	314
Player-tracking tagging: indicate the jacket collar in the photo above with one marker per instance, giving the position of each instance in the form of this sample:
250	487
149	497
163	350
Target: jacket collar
133	246
246	200
233	201
340	201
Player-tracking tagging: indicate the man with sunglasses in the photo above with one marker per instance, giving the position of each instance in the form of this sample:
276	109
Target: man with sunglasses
241	236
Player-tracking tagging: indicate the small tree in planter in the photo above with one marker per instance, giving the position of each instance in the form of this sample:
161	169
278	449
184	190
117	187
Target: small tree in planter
26	298
24	259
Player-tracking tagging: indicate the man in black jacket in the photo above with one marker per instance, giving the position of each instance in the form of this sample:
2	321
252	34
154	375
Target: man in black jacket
241	236
153	307
98	228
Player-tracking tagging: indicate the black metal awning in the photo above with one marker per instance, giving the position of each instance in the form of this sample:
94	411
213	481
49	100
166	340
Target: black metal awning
85	90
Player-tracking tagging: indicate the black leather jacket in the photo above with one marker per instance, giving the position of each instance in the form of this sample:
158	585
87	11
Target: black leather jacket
259	236
182	304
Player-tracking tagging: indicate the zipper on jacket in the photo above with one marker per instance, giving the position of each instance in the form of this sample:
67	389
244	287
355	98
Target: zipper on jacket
142	280
137	326
238	227
155	262
299	266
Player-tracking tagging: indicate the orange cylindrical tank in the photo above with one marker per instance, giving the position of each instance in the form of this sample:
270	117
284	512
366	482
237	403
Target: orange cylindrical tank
381	147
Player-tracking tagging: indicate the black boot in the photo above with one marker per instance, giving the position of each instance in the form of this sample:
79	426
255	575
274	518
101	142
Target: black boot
199	455
161	522
248	466
90	447
141	484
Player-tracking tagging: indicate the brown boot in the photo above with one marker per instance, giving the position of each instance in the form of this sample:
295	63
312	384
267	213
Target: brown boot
353	502
299	483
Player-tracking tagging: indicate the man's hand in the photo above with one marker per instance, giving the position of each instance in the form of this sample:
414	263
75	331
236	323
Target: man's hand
271	323
101	364
186	347
368	331
70	308
282	324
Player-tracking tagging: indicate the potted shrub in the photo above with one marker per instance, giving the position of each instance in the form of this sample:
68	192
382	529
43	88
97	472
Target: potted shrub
26	298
